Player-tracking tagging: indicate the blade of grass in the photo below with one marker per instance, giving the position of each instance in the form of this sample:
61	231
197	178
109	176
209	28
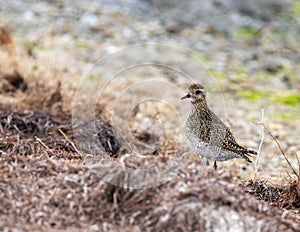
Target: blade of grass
257	161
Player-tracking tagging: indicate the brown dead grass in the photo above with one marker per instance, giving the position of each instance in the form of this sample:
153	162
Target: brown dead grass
286	196
46	186
5	35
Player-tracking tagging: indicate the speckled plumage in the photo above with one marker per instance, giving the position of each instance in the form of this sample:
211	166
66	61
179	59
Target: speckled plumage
206	134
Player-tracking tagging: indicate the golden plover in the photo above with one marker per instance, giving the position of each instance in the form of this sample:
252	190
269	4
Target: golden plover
206	134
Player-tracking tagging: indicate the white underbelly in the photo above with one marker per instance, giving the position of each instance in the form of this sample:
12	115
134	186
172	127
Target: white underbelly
208	150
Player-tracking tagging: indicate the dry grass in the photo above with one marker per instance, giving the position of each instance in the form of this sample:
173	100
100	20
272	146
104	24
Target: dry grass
285	195
5	36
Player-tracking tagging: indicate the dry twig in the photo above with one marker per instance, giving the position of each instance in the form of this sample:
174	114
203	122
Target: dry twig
72	144
282	151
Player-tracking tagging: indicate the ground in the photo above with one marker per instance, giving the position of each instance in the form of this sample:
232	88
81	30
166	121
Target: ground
90	125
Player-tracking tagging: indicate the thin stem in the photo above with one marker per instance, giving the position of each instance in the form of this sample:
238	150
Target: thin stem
72	144
257	161
282	152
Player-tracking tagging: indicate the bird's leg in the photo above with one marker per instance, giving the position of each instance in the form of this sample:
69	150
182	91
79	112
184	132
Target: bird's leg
215	165
207	162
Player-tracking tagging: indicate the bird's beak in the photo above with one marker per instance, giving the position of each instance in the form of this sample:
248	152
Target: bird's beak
186	96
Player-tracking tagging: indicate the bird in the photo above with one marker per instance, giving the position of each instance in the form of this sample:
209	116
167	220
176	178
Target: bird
206	134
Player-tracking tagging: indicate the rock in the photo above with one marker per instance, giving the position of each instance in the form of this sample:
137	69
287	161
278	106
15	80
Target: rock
12	82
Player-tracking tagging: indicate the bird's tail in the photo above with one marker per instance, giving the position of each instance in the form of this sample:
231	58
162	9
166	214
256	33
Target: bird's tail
248	153
251	152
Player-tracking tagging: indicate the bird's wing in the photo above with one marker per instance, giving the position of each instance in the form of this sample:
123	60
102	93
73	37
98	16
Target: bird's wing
220	130
234	147
223	137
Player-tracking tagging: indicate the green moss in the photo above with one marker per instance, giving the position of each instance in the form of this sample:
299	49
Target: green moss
82	44
201	58
296	7
288	99
293	116
283	69
217	74
91	77
253	94
246	33
43	48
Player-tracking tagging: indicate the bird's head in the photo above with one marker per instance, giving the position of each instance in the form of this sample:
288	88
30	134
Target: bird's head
196	93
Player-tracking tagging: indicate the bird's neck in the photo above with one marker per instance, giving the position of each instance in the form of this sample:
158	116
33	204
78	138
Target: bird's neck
200	105
200	109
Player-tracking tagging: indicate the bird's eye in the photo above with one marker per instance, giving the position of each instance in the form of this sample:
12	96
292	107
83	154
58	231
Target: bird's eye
197	92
